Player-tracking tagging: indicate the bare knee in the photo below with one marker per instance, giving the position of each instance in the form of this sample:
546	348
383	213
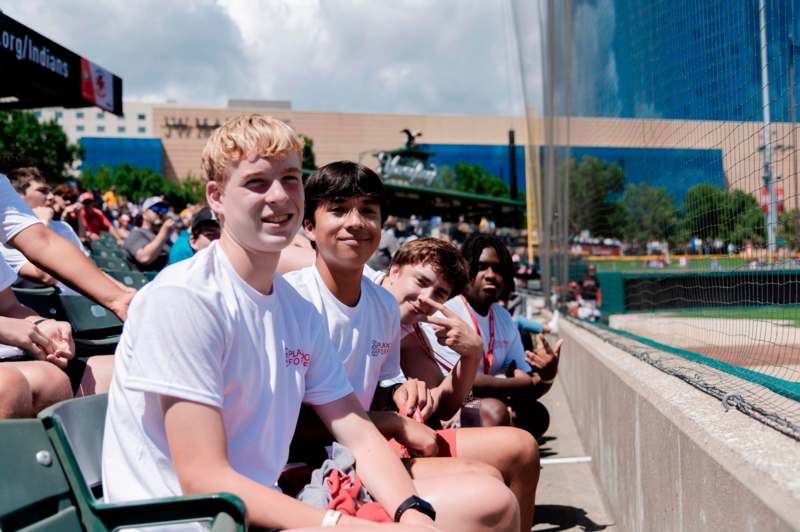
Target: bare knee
526	449
471	502
494	413
15	394
477	467
501	509
48	384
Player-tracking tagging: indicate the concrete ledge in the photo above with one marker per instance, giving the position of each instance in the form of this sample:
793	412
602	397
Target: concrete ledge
669	457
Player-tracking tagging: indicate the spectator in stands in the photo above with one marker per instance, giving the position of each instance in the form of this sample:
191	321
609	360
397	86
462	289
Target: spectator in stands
506	371
67	208
203	231
219	353
148	246
590	295
424	274
55	255
34	190
123	222
388	245
110	202
94	221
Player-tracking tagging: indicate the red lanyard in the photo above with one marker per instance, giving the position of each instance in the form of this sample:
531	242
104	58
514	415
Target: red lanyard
428	351
489	355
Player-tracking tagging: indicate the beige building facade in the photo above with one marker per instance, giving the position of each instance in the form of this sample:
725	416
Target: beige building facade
353	136
184	130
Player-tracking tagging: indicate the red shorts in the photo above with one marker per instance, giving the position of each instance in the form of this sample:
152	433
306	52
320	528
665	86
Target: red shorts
445	441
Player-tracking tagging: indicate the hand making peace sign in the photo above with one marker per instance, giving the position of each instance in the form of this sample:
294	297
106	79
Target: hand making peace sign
453	332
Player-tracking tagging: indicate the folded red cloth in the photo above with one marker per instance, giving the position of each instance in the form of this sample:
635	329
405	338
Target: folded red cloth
344	498
445	441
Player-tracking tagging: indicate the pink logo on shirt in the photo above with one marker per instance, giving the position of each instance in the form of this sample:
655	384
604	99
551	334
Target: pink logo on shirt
297	357
378	349
503	344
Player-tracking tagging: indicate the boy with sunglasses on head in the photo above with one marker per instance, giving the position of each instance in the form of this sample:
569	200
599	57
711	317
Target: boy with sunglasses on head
148	246
345	208
219	352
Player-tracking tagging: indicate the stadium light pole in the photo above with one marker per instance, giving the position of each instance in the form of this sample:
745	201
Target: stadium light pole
769	182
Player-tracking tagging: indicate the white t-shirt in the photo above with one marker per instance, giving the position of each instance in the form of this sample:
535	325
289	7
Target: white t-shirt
374	275
17	260
7	278
507	342
15	215
378	277
367	336
199	332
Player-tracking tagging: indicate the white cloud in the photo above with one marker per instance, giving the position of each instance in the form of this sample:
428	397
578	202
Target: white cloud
595	81
189	51
405	56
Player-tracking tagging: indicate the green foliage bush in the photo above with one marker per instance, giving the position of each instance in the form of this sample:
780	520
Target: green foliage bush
472	178
137	184
645	213
25	141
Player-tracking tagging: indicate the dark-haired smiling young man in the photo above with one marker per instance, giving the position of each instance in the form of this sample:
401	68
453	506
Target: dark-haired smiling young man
344	211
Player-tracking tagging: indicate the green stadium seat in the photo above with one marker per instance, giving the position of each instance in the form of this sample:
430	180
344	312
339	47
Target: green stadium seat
106	238
108	253
34	492
75	428
45	301
112	263
133	279
95	329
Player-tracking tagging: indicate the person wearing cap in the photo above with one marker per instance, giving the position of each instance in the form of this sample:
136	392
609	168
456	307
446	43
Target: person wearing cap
34	190
204	229
148	246
94	221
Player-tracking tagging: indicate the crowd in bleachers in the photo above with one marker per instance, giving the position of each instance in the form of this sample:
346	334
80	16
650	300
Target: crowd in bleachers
307	293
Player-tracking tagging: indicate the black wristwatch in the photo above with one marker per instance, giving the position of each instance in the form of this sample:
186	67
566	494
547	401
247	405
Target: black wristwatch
415	503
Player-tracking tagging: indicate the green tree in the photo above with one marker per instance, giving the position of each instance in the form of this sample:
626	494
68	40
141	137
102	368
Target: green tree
137	184
650	214
787	227
711	212
592	185
194	189
23	138
472	178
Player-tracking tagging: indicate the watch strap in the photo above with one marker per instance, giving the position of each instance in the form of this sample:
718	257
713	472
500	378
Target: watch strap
414	503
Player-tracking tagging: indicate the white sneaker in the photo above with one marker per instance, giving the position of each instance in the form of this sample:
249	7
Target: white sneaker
553	323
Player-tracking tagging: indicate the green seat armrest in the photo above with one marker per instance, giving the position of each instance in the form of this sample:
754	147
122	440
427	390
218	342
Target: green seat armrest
172	510
98	342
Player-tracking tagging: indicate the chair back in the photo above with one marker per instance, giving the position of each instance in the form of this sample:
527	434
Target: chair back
34	492
81	423
75	428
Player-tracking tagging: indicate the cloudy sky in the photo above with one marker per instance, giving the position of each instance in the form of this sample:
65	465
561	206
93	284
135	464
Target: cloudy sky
393	56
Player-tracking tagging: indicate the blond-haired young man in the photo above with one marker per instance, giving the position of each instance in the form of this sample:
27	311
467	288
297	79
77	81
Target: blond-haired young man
219	353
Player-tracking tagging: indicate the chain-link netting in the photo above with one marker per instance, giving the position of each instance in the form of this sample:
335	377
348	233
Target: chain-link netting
663	155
